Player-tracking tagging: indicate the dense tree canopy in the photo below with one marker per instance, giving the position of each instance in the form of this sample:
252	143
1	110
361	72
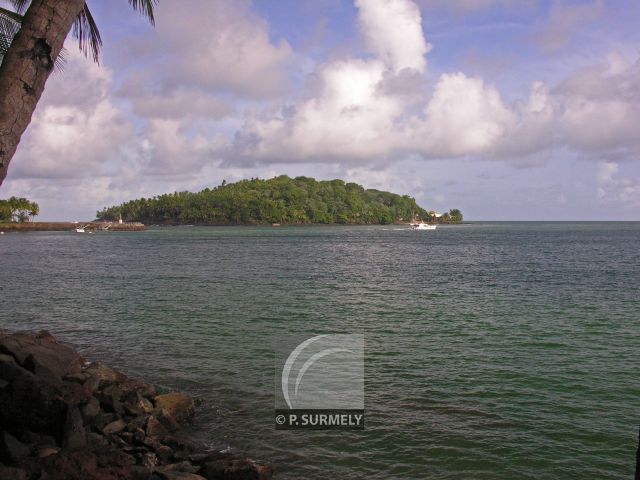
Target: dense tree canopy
18	210
278	200
452	216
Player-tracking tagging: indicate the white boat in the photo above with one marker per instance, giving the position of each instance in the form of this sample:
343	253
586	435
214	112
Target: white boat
422	226
80	230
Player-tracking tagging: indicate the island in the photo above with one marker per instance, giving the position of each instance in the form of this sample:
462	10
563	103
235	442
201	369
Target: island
277	201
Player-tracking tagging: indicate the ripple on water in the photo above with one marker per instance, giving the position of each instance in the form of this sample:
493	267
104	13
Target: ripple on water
493	351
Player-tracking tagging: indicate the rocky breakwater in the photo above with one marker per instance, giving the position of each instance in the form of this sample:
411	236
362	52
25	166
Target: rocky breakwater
64	419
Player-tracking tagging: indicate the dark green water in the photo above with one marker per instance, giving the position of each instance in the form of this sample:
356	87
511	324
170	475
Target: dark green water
493	351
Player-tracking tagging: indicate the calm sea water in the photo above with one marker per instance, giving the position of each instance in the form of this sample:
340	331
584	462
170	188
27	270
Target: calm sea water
493	350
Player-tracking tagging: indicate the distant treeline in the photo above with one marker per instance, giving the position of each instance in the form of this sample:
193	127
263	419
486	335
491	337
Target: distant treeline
285	200
18	209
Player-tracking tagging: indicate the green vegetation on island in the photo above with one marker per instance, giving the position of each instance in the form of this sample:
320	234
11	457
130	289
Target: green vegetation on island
18	210
284	200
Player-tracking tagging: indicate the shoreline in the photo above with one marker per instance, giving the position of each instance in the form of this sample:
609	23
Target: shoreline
104	226
164	225
66	419
71	226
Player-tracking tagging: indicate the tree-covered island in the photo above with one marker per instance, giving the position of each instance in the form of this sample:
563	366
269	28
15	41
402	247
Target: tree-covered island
283	200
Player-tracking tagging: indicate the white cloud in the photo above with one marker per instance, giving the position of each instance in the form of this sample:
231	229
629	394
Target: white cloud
393	31
170	149
601	106
463	117
76	129
531	128
217	45
364	110
180	104
349	118
79	131
613	187
606	172
171	125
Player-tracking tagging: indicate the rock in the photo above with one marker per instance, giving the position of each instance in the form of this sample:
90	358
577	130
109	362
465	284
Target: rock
138	435
35	366
139	421
133	385
120	444
236	469
33	404
114	390
73	393
114	427
91	409
148	459
12	450
46	451
102	420
168	421
104	374
155	429
108	464
140	472
182	444
44	351
110	403
127	437
47	440
36	438
28	436
151	442
197	457
75	436
91	384
95	440
11	473
135	403
177	475
76	377
9	369
179	406
164	453
182	467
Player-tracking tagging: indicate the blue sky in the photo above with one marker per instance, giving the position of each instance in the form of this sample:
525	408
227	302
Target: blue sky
506	109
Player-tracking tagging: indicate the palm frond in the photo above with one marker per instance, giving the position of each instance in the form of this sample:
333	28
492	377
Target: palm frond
60	61
145	7
20	5
16	17
86	31
9	26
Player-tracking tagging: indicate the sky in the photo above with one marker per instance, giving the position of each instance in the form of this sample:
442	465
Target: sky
505	109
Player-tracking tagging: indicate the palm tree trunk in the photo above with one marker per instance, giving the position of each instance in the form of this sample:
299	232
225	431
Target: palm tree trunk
26	67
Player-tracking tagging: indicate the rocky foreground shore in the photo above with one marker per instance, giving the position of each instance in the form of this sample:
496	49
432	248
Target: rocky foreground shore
62	418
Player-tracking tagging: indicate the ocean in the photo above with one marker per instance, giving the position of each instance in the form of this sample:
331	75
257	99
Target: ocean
492	350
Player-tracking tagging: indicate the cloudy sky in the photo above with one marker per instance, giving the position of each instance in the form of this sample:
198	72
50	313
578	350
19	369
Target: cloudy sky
506	109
